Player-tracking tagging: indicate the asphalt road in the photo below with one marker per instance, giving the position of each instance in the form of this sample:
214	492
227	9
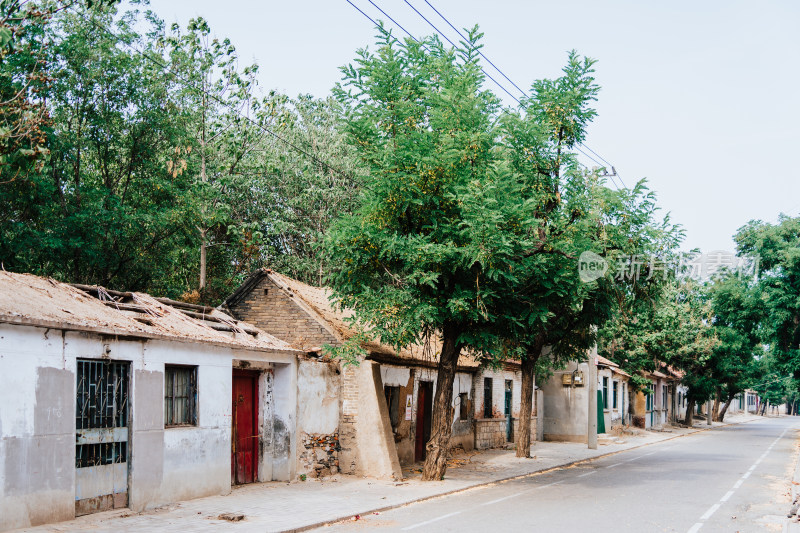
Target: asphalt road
729	479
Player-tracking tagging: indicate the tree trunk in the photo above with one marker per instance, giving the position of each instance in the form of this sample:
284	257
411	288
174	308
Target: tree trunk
442	420
715	409
721	415
689	412
526	402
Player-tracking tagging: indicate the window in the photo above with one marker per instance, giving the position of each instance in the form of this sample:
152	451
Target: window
605	392
393	403
180	396
649	397
614	394
663	396
487	397
463	406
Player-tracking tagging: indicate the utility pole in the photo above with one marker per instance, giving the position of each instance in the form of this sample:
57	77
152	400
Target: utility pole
708	412
592	382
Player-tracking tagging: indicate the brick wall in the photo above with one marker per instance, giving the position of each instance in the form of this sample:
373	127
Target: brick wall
271	309
491	432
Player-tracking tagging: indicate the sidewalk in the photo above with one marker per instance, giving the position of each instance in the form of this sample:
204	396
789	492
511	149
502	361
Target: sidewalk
299	506
792	523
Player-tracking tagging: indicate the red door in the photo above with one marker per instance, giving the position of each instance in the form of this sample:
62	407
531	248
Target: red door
423	432
244	458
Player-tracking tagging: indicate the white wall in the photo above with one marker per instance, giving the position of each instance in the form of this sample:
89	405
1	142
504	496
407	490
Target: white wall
499	378
37	420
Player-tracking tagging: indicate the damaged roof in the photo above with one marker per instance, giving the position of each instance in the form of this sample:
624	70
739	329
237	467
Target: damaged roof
316	301
32	300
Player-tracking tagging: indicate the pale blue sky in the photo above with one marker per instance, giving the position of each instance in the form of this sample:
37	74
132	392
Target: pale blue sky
698	97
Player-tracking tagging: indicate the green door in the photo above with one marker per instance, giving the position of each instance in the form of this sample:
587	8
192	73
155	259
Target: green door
601	420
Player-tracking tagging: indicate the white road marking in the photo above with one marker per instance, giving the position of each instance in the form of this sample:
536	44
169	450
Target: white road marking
747	475
432	520
612	466
727	496
498	500
550	484
588	473
710	512
695	528
738	484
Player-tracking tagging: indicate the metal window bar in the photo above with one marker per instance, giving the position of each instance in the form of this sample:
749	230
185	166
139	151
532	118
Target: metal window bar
102	402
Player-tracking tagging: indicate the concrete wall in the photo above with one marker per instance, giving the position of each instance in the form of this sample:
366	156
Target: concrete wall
37	428
377	455
565	408
37	422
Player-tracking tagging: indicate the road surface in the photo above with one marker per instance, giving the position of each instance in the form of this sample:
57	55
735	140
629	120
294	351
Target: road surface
735	478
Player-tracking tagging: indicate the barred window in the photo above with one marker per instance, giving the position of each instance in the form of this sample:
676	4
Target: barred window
180	396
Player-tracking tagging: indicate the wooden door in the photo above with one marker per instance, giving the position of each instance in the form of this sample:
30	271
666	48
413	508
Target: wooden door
244	456
424	407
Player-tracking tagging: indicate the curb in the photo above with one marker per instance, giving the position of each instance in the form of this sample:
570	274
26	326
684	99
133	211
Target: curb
488	483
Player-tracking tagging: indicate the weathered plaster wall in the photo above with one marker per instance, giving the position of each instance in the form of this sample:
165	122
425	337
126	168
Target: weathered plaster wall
499	378
565	409
318	401
37	423
37	428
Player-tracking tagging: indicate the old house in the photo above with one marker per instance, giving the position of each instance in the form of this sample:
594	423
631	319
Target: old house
657	404
497	406
115	399
566	401
380	411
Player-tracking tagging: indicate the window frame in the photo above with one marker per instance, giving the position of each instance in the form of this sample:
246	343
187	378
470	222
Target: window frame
605	393
191	397
488	385
615	394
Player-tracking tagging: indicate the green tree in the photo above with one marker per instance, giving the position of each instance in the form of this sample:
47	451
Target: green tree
430	251
573	212
777	247
737	313
305	191
101	208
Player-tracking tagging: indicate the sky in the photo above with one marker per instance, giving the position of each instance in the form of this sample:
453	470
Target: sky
699	98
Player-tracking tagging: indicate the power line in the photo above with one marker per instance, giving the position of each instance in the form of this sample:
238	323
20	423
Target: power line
189	84
515	85
387	16
610	176
454	46
481	53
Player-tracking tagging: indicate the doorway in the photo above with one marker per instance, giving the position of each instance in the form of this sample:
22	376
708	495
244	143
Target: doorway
424	409
245	440
101	436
